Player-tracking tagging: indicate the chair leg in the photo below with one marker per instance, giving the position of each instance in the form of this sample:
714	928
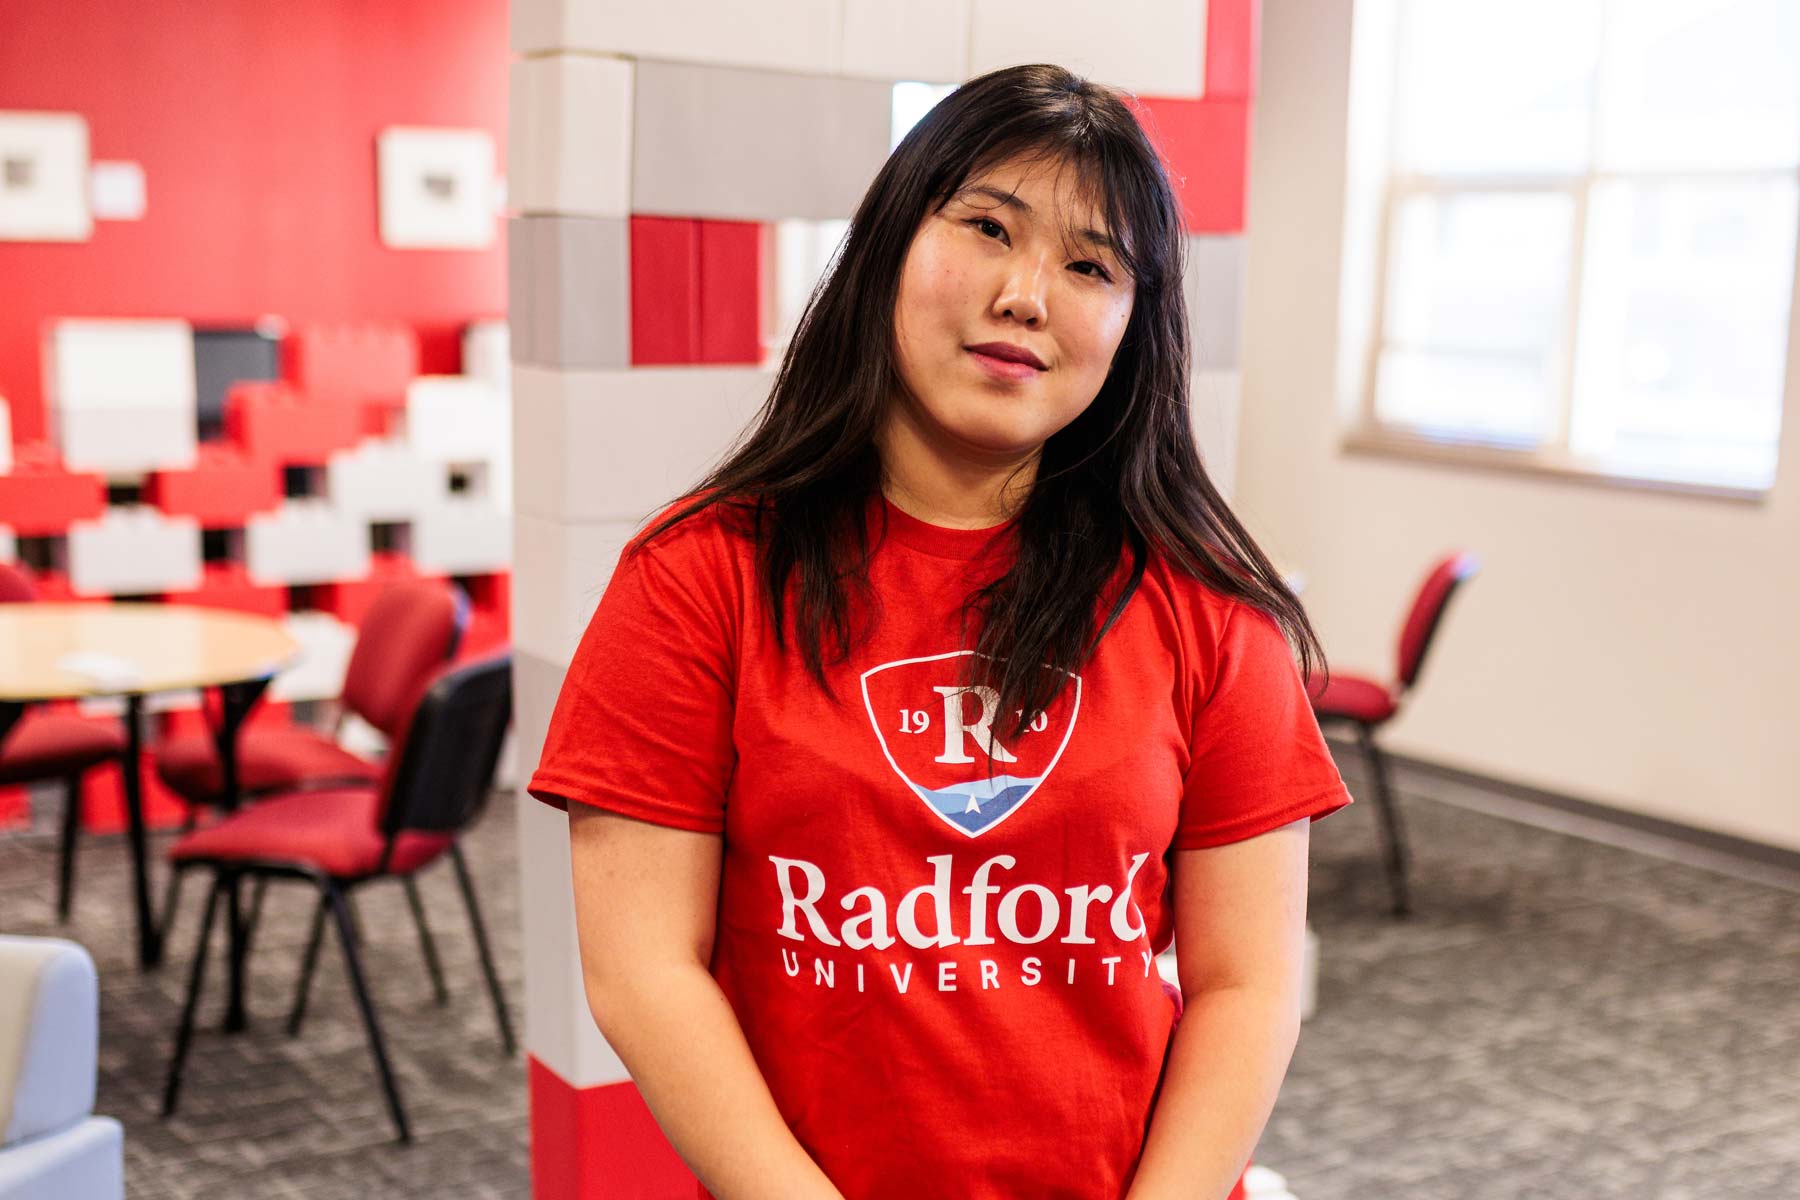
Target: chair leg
237	1016
481	943
65	850
341	911
426	945
304	986
256	907
1393	833
185	1031
172	890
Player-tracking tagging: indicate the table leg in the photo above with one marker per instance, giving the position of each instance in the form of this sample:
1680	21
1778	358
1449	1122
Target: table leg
235	702
149	937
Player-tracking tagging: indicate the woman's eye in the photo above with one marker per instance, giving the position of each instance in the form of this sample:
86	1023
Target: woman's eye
1099	272
982	223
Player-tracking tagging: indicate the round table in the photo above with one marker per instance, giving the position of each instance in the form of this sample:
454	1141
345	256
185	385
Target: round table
81	651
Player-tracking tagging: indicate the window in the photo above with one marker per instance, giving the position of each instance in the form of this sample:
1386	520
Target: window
1588	236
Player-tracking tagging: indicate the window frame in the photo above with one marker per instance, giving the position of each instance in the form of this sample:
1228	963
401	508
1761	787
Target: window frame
1371	435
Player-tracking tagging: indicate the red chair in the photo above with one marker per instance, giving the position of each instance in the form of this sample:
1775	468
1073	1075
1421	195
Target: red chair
1367	704
410	630
436	782
45	745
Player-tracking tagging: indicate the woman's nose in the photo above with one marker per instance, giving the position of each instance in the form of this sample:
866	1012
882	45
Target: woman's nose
1021	294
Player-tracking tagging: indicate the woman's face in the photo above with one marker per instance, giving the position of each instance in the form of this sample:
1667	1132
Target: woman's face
1016	259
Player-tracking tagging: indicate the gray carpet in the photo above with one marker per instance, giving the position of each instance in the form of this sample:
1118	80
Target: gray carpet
1560	1019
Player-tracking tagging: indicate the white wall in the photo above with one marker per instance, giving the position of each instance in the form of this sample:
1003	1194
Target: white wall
1637	649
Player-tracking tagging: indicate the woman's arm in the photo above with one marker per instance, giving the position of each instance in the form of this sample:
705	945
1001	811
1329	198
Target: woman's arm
1240	925
646	898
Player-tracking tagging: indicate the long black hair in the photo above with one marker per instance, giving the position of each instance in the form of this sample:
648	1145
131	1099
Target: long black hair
1123	476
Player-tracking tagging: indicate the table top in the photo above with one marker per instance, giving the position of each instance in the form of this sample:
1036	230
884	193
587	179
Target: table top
68	651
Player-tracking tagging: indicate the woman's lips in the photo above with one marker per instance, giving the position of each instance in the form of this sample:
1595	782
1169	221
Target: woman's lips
1002	368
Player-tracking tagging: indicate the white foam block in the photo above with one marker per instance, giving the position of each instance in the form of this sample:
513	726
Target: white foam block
782	35
755	145
559	571
613	445
925	40
382	480
325	645
1156	47
134	549
128	440
455	418
569	144
559	1028
305	541
459	536
487	354
115	364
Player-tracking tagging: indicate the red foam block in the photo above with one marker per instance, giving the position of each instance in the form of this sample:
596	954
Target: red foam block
365	363
1233	30
39	497
665	290
1205	146
278	423
731	261
597	1141
222	489
227	585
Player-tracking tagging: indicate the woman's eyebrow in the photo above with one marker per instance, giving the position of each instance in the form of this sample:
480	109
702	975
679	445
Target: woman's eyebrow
1004	198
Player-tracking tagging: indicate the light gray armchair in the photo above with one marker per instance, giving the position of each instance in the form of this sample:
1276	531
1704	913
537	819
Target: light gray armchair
52	1147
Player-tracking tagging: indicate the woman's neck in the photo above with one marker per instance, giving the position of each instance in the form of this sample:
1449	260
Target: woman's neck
955	491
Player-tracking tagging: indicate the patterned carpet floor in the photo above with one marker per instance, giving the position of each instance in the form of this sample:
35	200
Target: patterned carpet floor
1559	1019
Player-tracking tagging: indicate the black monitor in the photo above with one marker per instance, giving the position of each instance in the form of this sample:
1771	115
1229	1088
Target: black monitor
224	356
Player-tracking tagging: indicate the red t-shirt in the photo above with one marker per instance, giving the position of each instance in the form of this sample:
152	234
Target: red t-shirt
947	979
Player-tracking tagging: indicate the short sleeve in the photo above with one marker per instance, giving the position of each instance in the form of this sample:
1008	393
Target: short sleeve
643	724
1257	760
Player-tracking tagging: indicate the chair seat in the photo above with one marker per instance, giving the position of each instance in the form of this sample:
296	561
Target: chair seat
52	745
269	760
331	831
1354	698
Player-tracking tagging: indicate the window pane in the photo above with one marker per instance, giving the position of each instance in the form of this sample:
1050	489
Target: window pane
1464	398
1487	87
1477	290
1684	323
1479	271
1700	83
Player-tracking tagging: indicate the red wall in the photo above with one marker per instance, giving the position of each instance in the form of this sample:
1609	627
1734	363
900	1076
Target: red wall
255	123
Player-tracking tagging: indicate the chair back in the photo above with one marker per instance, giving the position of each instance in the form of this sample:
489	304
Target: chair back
1446	575
16	586
410	630
438	777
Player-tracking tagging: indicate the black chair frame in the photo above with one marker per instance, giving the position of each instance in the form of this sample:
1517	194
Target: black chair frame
441	784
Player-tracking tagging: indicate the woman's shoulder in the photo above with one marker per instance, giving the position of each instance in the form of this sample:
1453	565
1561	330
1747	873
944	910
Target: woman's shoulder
1195	605
705	528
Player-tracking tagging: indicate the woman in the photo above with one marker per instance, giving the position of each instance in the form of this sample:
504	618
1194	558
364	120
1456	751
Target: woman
902	744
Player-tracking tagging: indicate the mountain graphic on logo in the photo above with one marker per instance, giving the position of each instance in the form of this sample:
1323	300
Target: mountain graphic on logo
952	748
974	806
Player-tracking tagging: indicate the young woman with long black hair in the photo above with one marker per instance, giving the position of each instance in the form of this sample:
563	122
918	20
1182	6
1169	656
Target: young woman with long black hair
900	746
